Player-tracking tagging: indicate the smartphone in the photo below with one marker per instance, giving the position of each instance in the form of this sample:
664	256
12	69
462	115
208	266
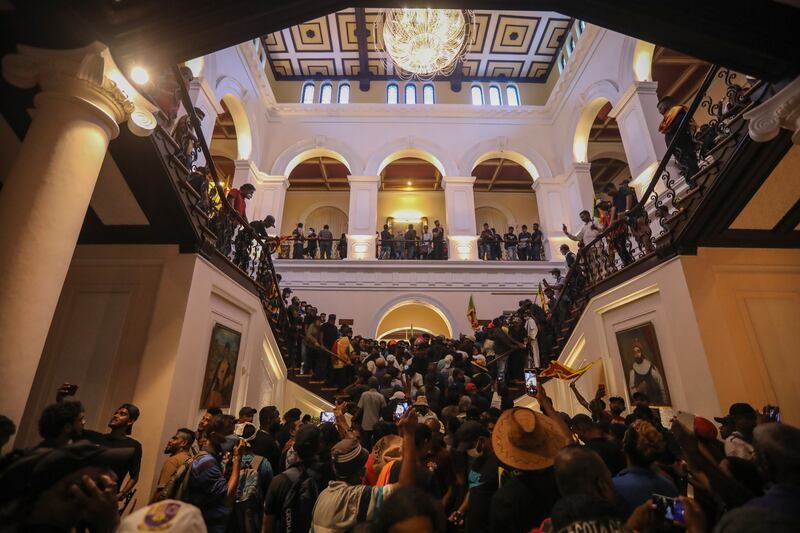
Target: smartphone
671	509
686	420
401	409
531	381
72	389
327	416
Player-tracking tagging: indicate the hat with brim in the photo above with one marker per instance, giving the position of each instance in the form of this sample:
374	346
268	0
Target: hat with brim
724	420
421	400
526	440
388	448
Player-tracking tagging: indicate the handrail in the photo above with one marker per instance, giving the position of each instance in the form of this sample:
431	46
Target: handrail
229	210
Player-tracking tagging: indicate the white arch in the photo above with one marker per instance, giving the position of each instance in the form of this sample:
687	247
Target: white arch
600	151
411	147
414	299
318	205
534	163
592	99
510	220
319	146
395	330
230	91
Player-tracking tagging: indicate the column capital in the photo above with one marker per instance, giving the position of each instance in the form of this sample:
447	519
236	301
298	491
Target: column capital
458	180
579	168
635	88
363	179
87	75
246	165
272	181
780	111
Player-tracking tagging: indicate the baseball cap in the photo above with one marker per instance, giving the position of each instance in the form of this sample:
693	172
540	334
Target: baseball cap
247	411
471	386
742	409
726	420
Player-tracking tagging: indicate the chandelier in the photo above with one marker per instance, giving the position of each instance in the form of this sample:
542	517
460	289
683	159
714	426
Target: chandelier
423	43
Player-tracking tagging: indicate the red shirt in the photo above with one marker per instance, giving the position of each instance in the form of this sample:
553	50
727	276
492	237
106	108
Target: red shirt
237	200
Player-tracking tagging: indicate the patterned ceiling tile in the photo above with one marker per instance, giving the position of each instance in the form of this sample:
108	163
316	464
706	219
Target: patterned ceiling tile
477	39
274	42
555	29
282	67
471	67
351	67
312	36
514	35
538	69
503	68
319	66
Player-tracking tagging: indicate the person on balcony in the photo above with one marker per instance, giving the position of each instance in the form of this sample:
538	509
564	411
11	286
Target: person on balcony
297	239
411	242
685	146
621	204
497	245
438	241
238	198
427	243
399	244
325	242
485	242
312	240
510	242
343	246
524	246
386	243
536	243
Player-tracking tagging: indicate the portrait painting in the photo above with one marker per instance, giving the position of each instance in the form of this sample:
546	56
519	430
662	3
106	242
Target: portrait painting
223	354
641	361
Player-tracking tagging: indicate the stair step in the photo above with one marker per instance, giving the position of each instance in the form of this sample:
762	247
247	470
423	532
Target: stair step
316	382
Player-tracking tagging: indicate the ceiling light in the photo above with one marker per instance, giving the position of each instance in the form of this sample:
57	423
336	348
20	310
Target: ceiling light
139	75
408	183
423	43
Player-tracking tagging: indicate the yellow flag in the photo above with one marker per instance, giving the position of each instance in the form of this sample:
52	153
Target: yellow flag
472	314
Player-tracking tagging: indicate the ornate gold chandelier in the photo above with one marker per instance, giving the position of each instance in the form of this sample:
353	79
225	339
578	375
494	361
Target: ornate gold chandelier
423	43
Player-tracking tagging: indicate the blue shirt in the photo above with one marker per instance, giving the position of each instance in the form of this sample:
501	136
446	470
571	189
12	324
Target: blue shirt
208	490
635	485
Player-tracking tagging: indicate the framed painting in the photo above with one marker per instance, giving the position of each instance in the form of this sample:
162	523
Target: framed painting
223	355
641	362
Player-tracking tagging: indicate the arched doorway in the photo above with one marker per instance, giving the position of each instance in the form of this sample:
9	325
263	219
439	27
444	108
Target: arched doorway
334	217
410	318
492	216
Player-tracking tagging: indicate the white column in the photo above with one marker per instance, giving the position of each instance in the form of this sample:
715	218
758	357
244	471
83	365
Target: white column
47	192
638	119
552	206
459	204
362	217
246	171
270	197
203	97
579	191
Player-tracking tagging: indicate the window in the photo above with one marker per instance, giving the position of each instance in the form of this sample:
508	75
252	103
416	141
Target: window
494	95
562	63
512	95
344	93
411	93
308	94
570	44
427	93
391	93
477	95
325	93
581	26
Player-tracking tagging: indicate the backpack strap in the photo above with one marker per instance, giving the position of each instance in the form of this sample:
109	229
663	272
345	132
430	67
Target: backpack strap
363	504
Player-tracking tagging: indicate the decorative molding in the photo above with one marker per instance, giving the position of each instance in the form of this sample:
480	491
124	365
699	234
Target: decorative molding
780	111
88	74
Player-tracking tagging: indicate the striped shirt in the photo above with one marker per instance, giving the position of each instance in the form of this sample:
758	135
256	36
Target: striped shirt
341	506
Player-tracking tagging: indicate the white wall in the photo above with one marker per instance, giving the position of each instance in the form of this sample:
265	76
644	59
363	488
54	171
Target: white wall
660	296
134	325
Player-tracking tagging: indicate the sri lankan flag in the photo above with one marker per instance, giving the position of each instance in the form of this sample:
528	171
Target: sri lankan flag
472	314
542	299
556	370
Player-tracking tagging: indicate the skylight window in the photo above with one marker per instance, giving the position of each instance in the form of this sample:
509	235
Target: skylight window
391	93
344	93
411	93
512	95
325	93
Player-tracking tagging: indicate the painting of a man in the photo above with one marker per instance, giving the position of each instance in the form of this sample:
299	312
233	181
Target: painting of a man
641	360
223	354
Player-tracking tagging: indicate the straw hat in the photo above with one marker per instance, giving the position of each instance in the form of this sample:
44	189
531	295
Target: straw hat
421	400
388	448
526	440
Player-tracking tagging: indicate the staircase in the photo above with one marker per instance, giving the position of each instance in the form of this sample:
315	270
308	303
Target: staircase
728	159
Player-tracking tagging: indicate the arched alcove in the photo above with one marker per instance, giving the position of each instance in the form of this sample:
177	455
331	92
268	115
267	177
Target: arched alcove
334	217
419	316
492	216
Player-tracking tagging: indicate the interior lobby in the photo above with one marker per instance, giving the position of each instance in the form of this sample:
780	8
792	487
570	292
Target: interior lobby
172	177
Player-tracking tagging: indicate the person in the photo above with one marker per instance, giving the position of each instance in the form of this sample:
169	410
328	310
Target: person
497	246
386	243
510	243
186	137
740	442
438	241
208	488
121	426
313	343
526	443
594	438
411	242
246	414
537	244
424	412
341	373
616	407
61	423
369	405
325	242
558	286
589	231
164	516
524	243
644	377
643	444
179	449
485	243
238	198
283	435
264	443
621	203
200	434
255	474
409	509
342	246
569	255
297	239
262	227
287	508
532	330
220	387
427	243
312	242
685	148
346	502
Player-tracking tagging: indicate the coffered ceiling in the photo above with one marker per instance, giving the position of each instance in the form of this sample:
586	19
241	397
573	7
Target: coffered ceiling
508	45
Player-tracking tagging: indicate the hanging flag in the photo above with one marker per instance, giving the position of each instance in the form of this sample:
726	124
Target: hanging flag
595	209
556	370
541	297
472	314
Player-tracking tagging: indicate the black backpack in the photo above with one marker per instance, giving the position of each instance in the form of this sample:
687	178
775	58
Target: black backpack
177	488
298	507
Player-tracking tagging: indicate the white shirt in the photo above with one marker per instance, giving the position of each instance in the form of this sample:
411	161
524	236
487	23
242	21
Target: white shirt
587	234
736	446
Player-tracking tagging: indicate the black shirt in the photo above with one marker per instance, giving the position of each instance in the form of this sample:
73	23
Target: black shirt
610	452
524	501
105	439
329	335
386	239
570	258
265	445
536	238
511	239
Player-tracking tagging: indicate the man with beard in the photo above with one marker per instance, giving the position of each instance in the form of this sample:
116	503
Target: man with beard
179	450
644	377
121	425
200	436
